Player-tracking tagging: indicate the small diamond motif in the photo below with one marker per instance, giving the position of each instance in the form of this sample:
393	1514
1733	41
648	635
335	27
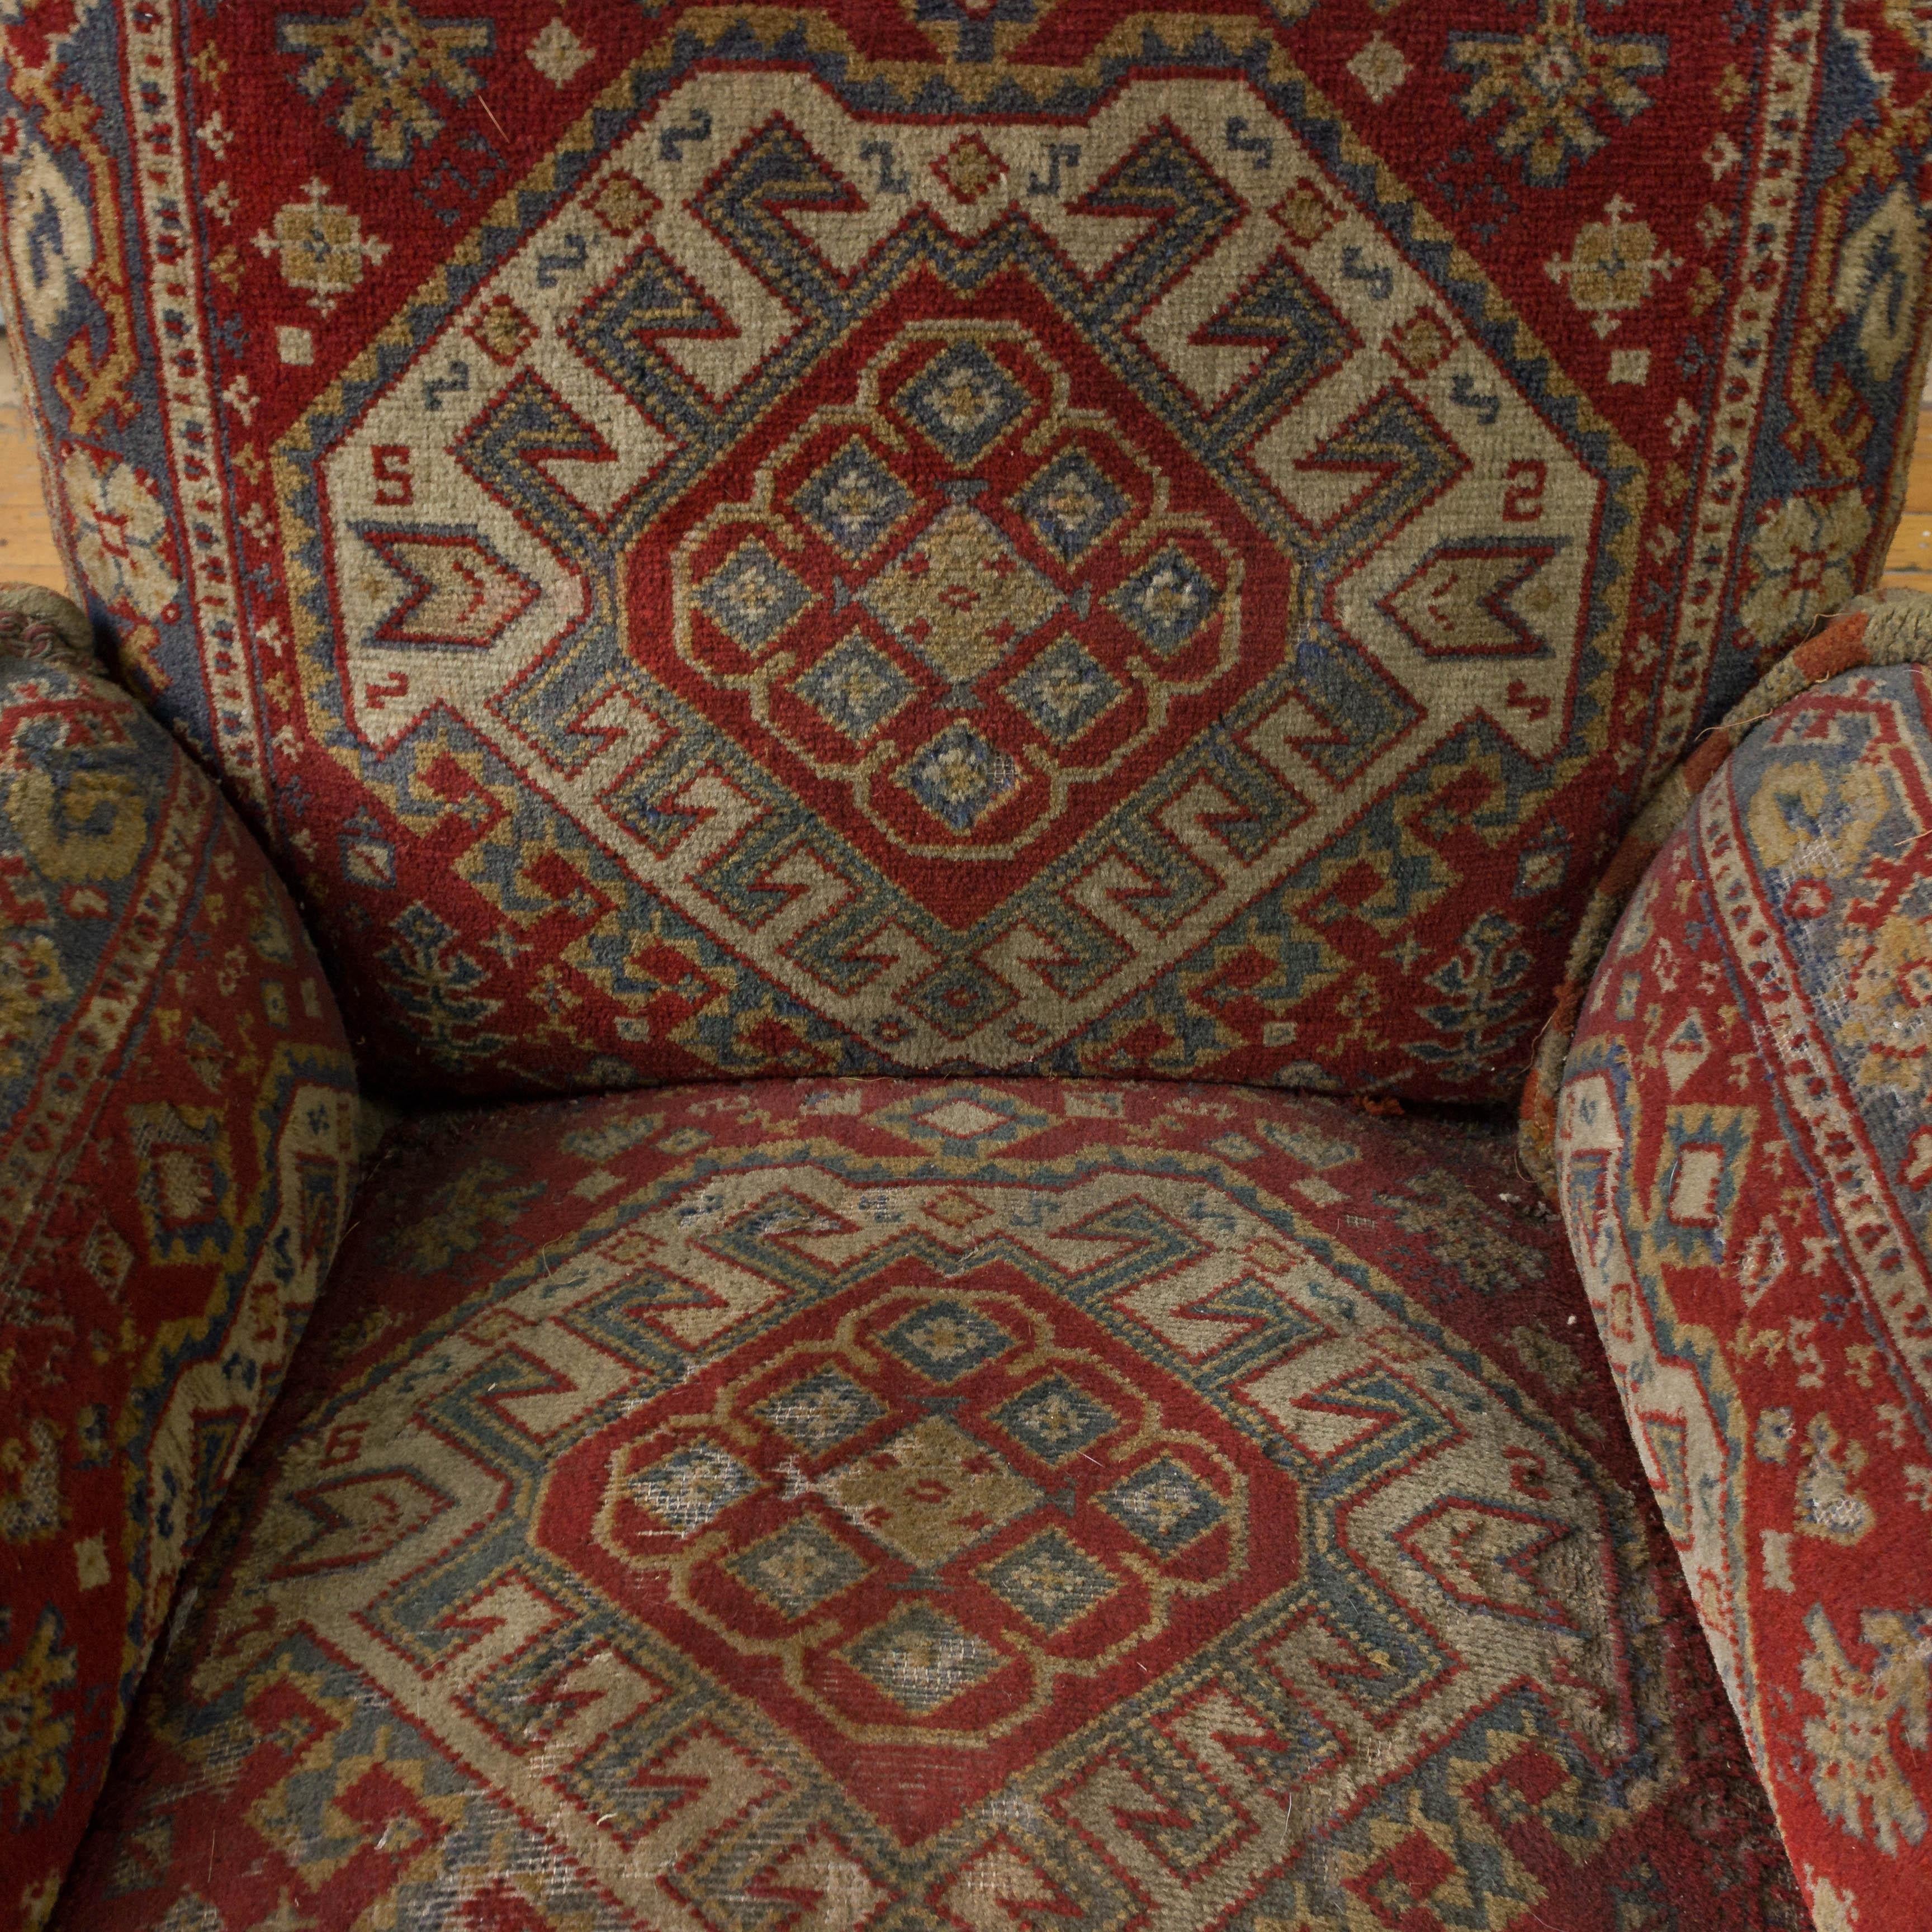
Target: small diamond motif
1056	1419
959	777
1163	1505
1306	212
970	170
1379	67
963	402
853	501
961	997
856	687
688	1488
1050	1581
1166	602
963	1120
960	595
558	54
822	1411
922	1659
1072	504
946	1339
502	330
955	1211
622	204
753	596
930	1492
798	1568
1063	691
1423	343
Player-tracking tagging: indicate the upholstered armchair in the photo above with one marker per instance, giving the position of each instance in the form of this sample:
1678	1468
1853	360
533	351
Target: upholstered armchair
972	968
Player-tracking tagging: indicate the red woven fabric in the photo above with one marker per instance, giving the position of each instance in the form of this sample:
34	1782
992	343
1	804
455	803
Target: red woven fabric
1745	1162
1002	537
969	1504
1891	626
176	1152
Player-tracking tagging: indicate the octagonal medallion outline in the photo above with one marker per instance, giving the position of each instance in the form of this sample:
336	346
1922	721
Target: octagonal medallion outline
852	1346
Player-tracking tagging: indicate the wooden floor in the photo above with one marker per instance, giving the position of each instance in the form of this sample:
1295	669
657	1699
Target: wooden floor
1910	560
27	553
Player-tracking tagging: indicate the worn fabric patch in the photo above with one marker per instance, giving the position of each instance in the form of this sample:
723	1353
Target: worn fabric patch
926	1505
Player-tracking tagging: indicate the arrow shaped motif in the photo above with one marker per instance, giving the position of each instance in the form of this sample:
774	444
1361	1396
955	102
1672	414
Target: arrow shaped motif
1459	601
459	591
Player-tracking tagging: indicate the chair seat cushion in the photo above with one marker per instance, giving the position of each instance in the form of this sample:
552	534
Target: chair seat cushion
941	1505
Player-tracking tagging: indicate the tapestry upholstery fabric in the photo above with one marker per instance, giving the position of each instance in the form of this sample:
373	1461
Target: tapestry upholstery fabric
1890	625
176	1124
1745	1148
986	536
919	1505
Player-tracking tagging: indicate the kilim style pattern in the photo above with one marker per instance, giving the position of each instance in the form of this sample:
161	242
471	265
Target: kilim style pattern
175	1161
884	1505
993	535
1746	1157
758	552
1889	626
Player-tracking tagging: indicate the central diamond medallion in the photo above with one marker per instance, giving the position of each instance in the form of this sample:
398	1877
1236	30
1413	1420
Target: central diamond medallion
971	522
921	1525
931	1491
961	596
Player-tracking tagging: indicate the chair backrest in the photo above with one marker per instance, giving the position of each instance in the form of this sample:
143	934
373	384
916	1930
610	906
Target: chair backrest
985	534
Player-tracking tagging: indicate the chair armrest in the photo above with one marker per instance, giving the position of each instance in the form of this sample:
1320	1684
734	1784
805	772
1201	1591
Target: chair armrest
1743	1144
176	1163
